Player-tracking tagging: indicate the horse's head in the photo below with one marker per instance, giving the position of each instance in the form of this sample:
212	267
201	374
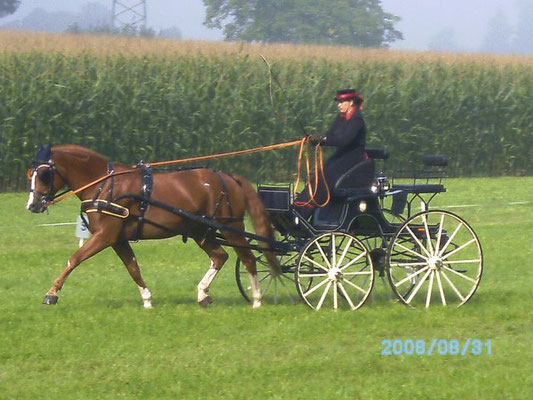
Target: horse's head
45	180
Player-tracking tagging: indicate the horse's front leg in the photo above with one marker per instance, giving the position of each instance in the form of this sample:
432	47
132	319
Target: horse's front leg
95	244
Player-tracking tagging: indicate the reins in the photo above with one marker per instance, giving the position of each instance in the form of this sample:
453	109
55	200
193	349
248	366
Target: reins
319	169
300	142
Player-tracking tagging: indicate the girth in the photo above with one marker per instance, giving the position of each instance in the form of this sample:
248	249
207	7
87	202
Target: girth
147	186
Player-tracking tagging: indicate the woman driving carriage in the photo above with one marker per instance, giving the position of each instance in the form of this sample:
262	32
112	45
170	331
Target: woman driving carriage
347	134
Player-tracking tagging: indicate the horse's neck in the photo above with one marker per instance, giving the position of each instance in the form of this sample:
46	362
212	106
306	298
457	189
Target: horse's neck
80	168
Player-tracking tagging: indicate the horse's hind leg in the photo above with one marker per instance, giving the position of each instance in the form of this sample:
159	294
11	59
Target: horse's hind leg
125	252
218	257
241	247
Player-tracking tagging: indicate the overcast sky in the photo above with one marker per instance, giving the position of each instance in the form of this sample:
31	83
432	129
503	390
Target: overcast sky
421	21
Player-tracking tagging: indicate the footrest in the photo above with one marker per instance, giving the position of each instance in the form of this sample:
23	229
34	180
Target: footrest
420	188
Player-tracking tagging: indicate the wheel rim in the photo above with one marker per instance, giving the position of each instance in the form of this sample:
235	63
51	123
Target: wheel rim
275	289
334	270
435	257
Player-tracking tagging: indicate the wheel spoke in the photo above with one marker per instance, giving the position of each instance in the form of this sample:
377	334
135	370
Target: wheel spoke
355	286
316	287
459	274
418	242
418	286
275	290
286	277
324	294
430	288
452	286
346	248
412	264
441	252
312	275
477	260
439	233
441	290
363	254
400	283
345	294
286	289
267	286
410	251
323	254
428	238
358	273
458	249
333	251
335	296
315	263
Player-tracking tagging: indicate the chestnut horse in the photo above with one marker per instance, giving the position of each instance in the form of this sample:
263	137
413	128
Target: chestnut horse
119	211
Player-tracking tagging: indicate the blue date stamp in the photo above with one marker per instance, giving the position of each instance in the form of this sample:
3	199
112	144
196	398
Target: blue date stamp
442	347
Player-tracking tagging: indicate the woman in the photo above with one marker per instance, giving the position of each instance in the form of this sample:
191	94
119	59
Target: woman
347	134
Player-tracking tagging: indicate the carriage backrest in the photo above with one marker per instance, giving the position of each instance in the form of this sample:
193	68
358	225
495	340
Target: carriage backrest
358	177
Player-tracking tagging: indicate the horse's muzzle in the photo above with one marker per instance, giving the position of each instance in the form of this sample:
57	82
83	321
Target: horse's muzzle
38	206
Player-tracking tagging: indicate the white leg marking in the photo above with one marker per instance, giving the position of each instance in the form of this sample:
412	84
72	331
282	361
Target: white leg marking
203	286
30	199
146	296
256	291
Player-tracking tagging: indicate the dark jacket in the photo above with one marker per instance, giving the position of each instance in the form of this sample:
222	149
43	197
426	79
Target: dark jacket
348	135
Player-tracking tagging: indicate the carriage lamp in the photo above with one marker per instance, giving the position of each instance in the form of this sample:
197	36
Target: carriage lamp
380	185
362	206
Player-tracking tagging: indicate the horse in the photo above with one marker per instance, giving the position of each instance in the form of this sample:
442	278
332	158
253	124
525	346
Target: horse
132	203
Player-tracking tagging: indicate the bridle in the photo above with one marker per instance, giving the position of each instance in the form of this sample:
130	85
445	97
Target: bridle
49	196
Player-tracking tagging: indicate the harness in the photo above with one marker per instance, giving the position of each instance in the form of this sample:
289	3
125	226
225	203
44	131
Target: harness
147	186
110	205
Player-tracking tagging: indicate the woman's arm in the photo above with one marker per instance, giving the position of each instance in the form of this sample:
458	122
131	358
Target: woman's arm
342	134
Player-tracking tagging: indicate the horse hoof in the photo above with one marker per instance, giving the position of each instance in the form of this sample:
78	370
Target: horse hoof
50	299
205	302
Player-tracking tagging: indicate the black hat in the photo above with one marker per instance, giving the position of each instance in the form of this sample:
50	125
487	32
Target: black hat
349	94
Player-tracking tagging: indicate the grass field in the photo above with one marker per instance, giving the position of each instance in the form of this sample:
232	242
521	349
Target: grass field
99	343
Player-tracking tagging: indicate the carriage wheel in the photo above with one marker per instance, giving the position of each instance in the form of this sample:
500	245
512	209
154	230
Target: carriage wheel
278	289
435	256
334	270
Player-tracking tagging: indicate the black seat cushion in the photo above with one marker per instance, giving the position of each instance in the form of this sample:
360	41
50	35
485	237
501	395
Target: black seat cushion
355	179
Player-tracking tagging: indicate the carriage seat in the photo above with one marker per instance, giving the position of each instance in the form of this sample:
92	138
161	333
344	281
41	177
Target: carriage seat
357	180
434	165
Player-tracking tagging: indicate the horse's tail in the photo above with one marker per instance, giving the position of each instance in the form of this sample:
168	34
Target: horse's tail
261	222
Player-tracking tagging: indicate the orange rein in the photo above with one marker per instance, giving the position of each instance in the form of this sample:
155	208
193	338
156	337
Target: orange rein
210	157
319	169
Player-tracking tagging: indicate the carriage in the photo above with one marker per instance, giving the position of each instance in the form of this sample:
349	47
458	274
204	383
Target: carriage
370	229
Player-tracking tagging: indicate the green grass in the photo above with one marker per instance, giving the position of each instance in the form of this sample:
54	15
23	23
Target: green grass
98	342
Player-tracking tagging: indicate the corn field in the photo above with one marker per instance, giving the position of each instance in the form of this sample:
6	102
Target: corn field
156	100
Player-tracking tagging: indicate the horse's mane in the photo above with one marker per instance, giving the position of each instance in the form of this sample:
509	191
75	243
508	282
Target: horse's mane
83	153
80	151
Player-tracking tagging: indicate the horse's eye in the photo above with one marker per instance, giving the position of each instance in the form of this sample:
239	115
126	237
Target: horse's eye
45	176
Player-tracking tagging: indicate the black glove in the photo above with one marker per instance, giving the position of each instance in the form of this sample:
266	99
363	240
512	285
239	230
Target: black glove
315	139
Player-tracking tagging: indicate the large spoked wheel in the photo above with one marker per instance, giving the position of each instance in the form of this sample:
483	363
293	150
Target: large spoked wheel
334	270
435	256
275	289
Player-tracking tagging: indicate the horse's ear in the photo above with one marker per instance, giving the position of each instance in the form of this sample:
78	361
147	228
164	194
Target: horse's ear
48	152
